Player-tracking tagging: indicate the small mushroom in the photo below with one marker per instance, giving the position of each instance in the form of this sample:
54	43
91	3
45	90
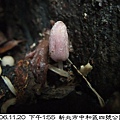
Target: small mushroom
58	43
8	60
85	69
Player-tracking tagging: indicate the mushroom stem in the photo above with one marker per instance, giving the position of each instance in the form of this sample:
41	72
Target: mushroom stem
60	65
59	71
9	84
8	103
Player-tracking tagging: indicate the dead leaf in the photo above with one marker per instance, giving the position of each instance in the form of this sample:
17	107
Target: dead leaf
9	45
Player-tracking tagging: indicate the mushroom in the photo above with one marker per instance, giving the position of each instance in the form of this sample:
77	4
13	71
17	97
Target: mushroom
8	60
85	69
58	43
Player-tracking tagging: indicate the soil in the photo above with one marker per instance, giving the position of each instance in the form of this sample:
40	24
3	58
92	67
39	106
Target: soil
94	31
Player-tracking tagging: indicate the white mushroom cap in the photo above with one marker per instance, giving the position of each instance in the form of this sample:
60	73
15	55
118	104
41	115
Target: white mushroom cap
8	60
85	69
58	42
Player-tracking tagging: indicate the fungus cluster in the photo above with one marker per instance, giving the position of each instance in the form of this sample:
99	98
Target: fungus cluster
58	51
